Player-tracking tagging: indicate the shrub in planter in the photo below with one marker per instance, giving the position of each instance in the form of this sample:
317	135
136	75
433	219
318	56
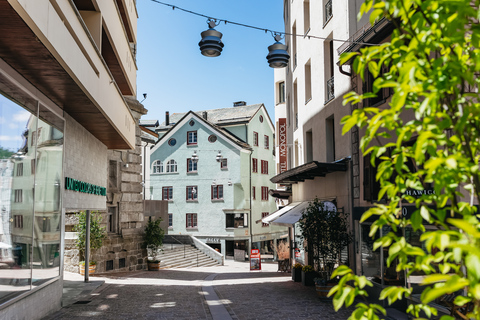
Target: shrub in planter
153	238
97	234
308	274
297	272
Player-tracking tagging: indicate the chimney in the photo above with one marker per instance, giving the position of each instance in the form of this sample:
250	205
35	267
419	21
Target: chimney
204	115
167	118
239	104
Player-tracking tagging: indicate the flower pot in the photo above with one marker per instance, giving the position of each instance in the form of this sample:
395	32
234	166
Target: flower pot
323	289
153	266
297	275
307	278
91	269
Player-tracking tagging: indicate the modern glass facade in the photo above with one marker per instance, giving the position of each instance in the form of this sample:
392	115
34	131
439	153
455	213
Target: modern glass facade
31	180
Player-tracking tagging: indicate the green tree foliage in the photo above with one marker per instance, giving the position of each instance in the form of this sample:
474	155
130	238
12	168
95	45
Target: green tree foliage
5	153
153	238
434	61
326	234
97	232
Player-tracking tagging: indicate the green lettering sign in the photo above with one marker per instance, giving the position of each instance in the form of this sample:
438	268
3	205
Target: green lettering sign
84	187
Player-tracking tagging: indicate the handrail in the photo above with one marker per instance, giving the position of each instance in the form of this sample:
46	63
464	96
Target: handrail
171	245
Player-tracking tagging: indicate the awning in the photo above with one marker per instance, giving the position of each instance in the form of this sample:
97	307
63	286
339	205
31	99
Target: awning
272	216
310	171
292	216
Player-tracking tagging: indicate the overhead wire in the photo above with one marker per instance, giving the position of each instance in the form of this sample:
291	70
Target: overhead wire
259	28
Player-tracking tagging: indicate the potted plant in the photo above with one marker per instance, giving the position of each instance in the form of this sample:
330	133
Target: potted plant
297	272
97	235
325	231
308	274
323	286
153	238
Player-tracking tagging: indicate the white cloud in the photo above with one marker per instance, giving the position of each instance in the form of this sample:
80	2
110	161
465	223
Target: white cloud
10	138
21	116
13	125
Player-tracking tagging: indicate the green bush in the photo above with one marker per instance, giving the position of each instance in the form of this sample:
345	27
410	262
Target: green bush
97	232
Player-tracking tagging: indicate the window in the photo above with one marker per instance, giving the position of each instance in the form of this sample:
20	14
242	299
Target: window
281	92
308	81
172	142
266	142
19	169
330	137
235	220
191	123
382	94
264	214
264	193
306	16
33	165
294	46
191	165
253	193
212	138
192	220
122	263
217	192
264	167
308	146
18	195
113	174
191	137
192	193
18	221
261	119
167	193
157	166
172	166
295	104
329	70
328	11
255	139
254	165
112	219
170	220
223	163
109	265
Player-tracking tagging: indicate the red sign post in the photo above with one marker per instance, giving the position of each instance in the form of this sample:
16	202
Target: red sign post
255	261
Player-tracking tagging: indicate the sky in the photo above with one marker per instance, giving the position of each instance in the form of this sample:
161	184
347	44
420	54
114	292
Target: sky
177	78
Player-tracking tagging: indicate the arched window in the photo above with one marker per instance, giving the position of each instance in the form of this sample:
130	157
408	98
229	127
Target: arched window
157	166
172	166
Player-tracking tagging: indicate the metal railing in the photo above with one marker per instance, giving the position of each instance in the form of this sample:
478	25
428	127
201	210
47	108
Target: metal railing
330	90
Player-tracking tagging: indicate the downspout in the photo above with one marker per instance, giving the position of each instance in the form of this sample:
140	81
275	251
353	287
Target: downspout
144	170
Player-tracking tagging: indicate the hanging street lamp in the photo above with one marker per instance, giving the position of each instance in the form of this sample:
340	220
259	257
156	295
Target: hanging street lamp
277	53
211	44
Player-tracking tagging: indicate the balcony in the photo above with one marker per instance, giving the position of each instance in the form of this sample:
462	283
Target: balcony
330	94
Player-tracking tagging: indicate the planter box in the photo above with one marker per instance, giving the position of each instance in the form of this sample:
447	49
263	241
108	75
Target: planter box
297	275
307	278
323	290
91	269
153	266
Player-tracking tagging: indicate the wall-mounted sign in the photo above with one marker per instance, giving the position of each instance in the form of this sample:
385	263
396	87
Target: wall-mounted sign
282	139
213	240
84	187
417	193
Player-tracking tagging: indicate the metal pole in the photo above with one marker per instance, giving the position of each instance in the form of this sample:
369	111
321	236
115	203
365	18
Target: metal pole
87	245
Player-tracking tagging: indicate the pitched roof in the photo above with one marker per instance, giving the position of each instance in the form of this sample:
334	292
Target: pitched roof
221	116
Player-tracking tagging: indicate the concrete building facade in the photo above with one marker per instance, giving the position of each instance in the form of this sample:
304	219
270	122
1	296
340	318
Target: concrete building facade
65	69
213	167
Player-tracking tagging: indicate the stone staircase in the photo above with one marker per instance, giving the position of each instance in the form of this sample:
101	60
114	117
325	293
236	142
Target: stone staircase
176	256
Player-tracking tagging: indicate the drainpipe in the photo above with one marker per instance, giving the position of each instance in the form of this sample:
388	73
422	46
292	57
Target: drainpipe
250	215
144	170
87	246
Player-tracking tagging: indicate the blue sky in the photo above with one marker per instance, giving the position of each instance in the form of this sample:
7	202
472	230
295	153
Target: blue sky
177	78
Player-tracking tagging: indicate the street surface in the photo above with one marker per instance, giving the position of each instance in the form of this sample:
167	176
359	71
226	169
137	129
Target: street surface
227	292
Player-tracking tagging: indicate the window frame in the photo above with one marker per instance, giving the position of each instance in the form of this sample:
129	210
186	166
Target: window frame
254	191
191	220
18	196
266	141
215	192
194	165
170	220
171	164
194	194
264	214
224	166
193	135
264	193
264	167
254	165
157	164
255	139
168	191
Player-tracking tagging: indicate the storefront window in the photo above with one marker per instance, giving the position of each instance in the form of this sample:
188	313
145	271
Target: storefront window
31	158
370	258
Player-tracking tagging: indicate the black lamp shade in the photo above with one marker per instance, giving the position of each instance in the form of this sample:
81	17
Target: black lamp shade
211	44
277	55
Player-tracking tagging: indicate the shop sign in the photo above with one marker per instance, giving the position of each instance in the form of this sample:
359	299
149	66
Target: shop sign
84	187
418	193
255	261
213	240
297	253
282	138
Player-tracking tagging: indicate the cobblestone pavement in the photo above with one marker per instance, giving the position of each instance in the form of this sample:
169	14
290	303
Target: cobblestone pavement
188	294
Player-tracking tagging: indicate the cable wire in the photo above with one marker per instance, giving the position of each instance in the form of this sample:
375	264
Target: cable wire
262	29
